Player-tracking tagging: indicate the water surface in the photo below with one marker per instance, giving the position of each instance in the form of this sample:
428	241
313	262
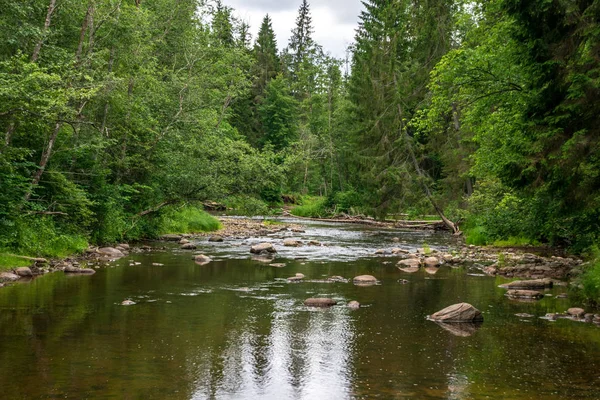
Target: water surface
235	329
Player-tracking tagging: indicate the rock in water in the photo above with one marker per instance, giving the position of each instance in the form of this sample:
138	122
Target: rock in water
111	252
188	246
364	280
409	262
292	243
355	305
202	259
215	238
461	312
259	248
70	269
319	302
8	277
432	262
127	303
532	284
524	294
576	312
23	271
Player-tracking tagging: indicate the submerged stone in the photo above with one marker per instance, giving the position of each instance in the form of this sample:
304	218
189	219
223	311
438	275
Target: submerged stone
319	302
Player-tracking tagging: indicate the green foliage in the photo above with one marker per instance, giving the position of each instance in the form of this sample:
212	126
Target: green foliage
187	219
8	261
247	205
41	236
312	206
476	236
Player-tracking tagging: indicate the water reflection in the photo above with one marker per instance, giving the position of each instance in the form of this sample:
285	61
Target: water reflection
302	354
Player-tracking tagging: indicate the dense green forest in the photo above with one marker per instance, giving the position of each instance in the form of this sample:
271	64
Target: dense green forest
119	117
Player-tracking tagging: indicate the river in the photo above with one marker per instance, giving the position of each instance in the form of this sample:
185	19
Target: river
236	329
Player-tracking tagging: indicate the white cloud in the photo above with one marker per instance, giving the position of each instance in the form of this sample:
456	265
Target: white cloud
334	21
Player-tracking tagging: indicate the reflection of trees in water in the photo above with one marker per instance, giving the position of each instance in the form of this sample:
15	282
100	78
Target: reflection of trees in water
293	354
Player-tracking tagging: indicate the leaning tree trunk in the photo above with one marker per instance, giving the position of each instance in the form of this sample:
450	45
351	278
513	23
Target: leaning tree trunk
421	175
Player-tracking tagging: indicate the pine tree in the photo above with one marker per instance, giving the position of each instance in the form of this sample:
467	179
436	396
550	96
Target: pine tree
265	52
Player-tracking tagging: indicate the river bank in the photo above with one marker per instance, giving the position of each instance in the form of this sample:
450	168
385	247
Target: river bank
535	263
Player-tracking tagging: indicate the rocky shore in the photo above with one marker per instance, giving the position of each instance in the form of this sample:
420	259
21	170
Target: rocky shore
491	261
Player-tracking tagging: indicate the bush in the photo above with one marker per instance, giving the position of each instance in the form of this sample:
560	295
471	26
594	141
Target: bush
313	207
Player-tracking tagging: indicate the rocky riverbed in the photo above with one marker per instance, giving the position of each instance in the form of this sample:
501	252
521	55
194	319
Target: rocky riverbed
491	261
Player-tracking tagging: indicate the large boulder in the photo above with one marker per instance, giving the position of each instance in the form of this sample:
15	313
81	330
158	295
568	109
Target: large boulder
263	247
111	252
319	302
531	284
23	271
8	277
364	280
431	262
292	243
461	312
524	294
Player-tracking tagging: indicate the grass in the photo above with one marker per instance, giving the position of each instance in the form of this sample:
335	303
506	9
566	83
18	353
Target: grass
476	236
189	220
311	206
515	242
8	261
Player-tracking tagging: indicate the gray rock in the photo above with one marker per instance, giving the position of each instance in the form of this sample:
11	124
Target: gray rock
461	312
201	259
215	238
531	284
23	271
266	247
432	262
277	265
292	243
355	305
364	280
8	277
111	252
70	269
188	246
576	312
319	302
410	263
184	241
524	294
128	303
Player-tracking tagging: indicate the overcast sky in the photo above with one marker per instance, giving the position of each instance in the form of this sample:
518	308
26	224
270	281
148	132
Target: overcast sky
334	21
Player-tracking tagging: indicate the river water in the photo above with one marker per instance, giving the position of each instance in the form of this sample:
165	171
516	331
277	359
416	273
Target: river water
235	329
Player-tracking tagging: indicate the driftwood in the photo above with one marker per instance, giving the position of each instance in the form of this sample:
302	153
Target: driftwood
404	224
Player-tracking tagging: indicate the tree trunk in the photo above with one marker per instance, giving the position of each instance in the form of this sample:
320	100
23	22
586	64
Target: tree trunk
38	46
421	175
44	160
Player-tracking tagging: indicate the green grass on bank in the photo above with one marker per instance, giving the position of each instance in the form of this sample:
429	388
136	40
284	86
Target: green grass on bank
8	262
311	207
188	220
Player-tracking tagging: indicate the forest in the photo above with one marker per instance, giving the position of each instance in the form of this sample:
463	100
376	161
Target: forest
119	118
